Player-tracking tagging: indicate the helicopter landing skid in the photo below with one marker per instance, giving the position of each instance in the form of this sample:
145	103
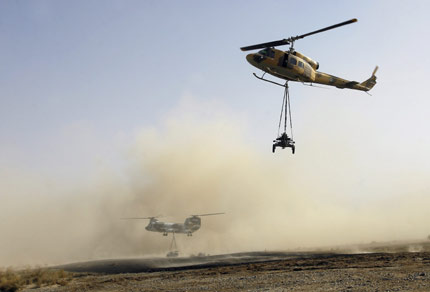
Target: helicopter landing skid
270	81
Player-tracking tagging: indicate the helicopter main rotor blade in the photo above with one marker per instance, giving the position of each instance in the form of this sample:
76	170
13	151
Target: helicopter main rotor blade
209	214
132	218
292	39
323	29
266	45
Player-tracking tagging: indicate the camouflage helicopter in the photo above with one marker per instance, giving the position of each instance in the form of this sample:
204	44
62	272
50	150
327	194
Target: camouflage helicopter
191	224
294	66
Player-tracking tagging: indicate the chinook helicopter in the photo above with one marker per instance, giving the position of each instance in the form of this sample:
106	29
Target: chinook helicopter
294	66
191	224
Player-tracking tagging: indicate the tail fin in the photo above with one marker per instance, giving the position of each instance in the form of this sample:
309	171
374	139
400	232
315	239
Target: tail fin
369	83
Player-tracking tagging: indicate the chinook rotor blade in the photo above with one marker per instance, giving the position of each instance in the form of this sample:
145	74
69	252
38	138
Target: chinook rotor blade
209	214
266	45
132	218
323	29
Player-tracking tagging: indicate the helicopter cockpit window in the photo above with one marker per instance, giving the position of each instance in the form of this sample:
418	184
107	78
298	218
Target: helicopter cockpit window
293	61
301	65
267	52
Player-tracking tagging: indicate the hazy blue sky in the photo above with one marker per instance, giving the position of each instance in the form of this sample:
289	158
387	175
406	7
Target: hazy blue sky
79	79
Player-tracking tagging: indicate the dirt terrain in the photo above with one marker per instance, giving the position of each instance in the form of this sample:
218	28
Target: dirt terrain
382	268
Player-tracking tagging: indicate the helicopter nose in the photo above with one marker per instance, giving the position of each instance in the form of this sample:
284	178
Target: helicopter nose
250	58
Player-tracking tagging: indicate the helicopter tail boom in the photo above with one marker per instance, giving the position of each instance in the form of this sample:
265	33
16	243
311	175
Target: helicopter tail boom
363	86
369	83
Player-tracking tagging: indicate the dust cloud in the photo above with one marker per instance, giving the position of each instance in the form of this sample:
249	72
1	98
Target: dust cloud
197	162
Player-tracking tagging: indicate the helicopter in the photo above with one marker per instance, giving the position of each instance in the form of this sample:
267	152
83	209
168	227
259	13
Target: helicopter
190	225
294	66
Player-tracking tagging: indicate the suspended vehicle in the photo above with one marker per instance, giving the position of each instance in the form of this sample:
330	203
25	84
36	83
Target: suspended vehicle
291	65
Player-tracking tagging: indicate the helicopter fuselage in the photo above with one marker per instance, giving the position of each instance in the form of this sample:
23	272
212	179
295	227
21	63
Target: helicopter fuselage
294	66
191	224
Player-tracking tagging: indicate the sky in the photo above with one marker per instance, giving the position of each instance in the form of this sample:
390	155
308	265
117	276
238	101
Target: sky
85	84
71	68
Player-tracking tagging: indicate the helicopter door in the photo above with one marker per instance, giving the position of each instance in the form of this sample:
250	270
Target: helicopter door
308	71
283	60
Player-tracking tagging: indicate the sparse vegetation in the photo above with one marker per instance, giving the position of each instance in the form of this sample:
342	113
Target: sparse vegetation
13	280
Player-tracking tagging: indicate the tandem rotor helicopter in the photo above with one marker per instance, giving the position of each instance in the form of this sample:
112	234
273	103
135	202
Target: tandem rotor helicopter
293	66
190	225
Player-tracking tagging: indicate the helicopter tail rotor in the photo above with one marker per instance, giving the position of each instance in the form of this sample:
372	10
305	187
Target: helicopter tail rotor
374	71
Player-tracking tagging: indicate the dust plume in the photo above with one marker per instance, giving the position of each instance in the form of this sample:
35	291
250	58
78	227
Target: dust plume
199	160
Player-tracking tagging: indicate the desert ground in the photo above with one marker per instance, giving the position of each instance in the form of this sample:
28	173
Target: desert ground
371	267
